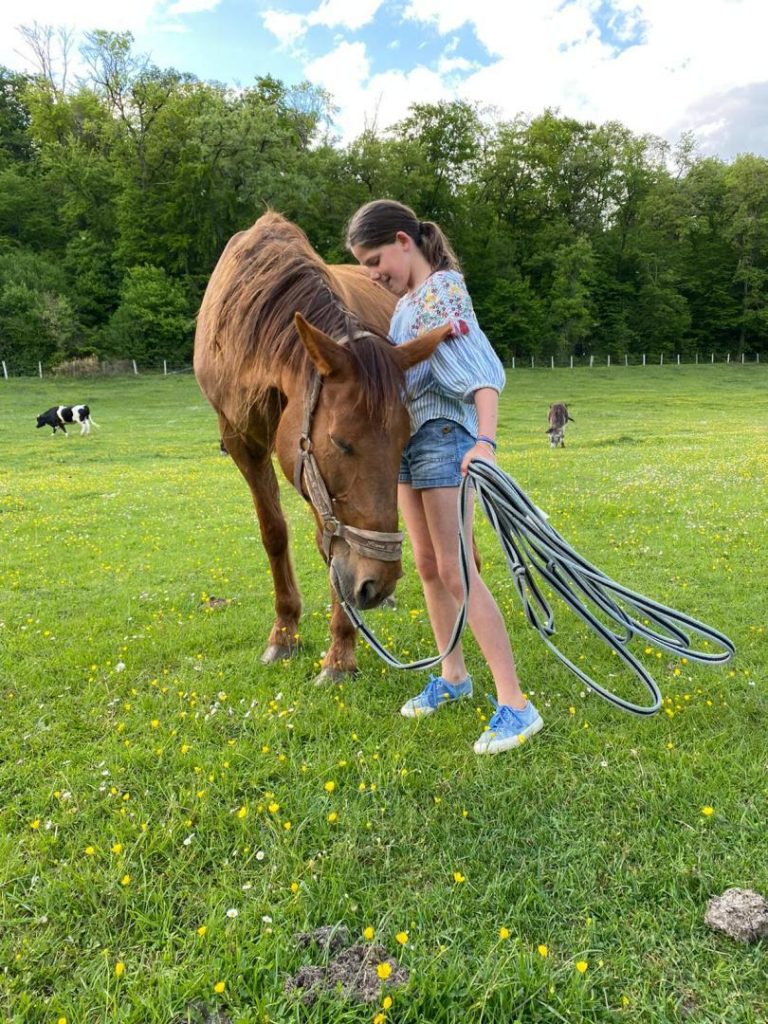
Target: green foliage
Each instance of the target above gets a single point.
(153, 320)
(575, 238)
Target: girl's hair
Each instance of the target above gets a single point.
(378, 222)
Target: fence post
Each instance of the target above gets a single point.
(678, 358)
(551, 362)
(728, 358)
(135, 369)
(5, 370)
(513, 362)
(643, 358)
(532, 363)
(609, 358)
(591, 361)
(626, 359)
(661, 359)
(713, 358)
(757, 360)
(165, 368)
(697, 358)
(742, 358)
(571, 362)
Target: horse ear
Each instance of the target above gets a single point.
(327, 355)
(422, 347)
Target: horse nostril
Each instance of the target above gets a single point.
(368, 594)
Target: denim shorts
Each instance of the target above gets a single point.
(432, 457)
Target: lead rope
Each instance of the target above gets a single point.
(531, 544)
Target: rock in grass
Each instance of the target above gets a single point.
(741, 914)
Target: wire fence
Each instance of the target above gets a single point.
(77, 368)
(92, 367)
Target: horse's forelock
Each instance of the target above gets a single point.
(381, 381)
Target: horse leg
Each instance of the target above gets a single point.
(256, 467)
(340, 660)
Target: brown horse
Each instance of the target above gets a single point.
(293, 355)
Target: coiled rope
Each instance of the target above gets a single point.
(531, 545)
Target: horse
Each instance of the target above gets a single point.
(557, 419)
(293, 355)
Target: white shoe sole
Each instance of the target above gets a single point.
(488, 744)
(407, 711)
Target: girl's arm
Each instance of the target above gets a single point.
(487, 406)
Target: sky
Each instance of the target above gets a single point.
(659, 66)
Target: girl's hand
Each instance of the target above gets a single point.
(479, 451)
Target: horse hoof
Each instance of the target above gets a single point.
(275, 652)
(331, 675)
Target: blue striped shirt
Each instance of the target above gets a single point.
(444, 385)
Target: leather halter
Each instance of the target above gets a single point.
(386, 547)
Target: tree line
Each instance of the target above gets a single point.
(118, 193)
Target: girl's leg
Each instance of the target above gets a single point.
(442, 606)
(440, 524)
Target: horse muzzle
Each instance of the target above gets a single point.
(363, 583)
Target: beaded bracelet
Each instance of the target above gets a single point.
(484, 439)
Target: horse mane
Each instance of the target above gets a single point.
(264, 276)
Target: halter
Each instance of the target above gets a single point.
(386, 547)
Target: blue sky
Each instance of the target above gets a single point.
(660, 66)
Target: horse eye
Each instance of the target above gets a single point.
(342, 445)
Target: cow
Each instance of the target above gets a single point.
(58, 415)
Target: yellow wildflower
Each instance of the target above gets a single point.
(383, 970)
(581, 966)
(119, 969)
(504, 933)
(543, 951)
(402, 938)
(219, 987)
(368, 934)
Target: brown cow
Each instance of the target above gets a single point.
(558, 417)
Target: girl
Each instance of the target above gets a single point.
(453, 401)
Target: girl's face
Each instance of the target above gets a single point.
(396, 265)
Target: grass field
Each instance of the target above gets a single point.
(173, 813)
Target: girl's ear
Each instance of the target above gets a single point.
(404, 239)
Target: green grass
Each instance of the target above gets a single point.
(137, 722)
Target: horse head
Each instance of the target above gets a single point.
(348, 431)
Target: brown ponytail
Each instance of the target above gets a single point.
(378, 222)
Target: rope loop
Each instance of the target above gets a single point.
(531, 545)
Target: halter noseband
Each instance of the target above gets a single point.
(386, 547)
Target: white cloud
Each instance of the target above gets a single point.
(77, 15)
(287, 28)
(551, 54)
(350, 15)
(371, 100)
(192, 7)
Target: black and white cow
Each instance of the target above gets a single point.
(558, 417)
(58, 415)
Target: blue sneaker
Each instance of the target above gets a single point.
(435, 693)
(508, 728)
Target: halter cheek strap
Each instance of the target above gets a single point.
(385, 547)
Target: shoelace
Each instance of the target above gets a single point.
(434, 690)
